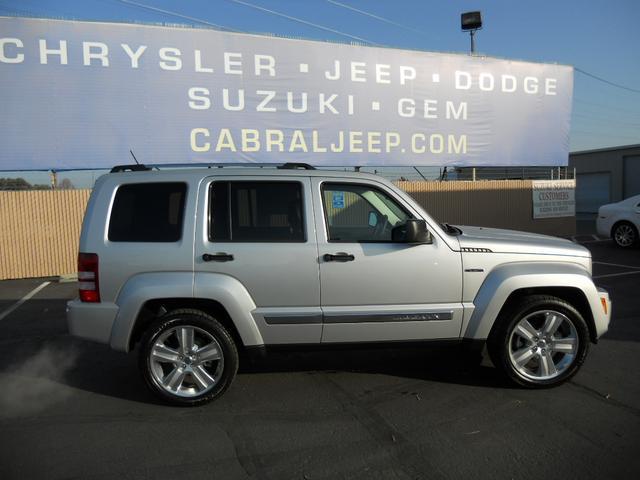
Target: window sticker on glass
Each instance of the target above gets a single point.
(338, 199)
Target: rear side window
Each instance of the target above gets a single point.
(256, 212)
(148, 212)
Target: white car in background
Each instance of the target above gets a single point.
(620, 221)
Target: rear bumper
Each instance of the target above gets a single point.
(91, 321)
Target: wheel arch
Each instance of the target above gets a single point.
(144, 295)
(571, 295)
(620, 221)
(156, 307)
(510, 282)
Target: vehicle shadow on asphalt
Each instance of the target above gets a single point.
(432, 364)
(99, 370)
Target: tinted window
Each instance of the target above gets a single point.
(148, 212)
(358, 213)
(256, 212)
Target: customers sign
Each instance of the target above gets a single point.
(554, 198)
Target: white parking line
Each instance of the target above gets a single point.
(617, 265)
(23, 299)
(617, 274)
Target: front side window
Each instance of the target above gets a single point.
(359, 213)
(256, 212)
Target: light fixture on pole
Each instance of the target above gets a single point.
(471, 21)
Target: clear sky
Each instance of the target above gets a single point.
(601, 37)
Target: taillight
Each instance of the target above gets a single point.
(88, 286)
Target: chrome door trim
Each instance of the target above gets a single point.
(389, 317)
(297, 319)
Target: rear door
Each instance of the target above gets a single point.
(260, 231)
(373, 289)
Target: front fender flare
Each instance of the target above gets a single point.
(507, 278)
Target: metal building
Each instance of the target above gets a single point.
(605, 175)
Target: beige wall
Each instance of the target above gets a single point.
(40, 229)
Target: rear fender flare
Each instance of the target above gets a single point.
(226, 290)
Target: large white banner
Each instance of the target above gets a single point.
(80, 95)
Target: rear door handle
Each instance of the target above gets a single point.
(218, 257)
(339, 257)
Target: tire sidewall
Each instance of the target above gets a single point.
(204, 322)
(500, 341)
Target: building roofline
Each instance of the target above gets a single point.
(606, 149)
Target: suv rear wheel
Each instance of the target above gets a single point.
(188, 358)
(539, 342)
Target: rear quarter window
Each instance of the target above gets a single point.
(148, 212)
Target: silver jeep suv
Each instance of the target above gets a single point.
(193, 266)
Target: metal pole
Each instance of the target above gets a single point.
(423, 177)
(473, 173)
(473, 41)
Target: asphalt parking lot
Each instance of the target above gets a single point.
(72, 409)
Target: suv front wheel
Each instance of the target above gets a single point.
(188, 358)
(624, 234)
(539, 342)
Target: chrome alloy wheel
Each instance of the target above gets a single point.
(624, 235)
(543, 345)
(186, 361)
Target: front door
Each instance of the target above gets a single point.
(260, 232)
(373, 289)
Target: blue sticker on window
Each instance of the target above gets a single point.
(338, 199)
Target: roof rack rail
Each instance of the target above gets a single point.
(130, 168)
(296, 166)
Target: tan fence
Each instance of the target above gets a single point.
(40, 232)
(40, 229)
(490, 203)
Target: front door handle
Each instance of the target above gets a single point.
(339, 257)
(218, 257)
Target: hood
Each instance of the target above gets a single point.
(511, 241)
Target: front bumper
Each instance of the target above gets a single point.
(603, 227)
(602, 315)
(92, 321)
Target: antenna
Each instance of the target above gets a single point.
(134, 157)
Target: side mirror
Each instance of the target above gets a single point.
(412, 231)
(373, 219)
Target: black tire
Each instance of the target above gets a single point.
(501, 337)
(628, 239)
(200, 321)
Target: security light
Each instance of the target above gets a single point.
(471, 21)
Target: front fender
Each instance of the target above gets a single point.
(507, 278)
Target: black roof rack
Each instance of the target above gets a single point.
(146, 168)
(130, 168)
(296, 166)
